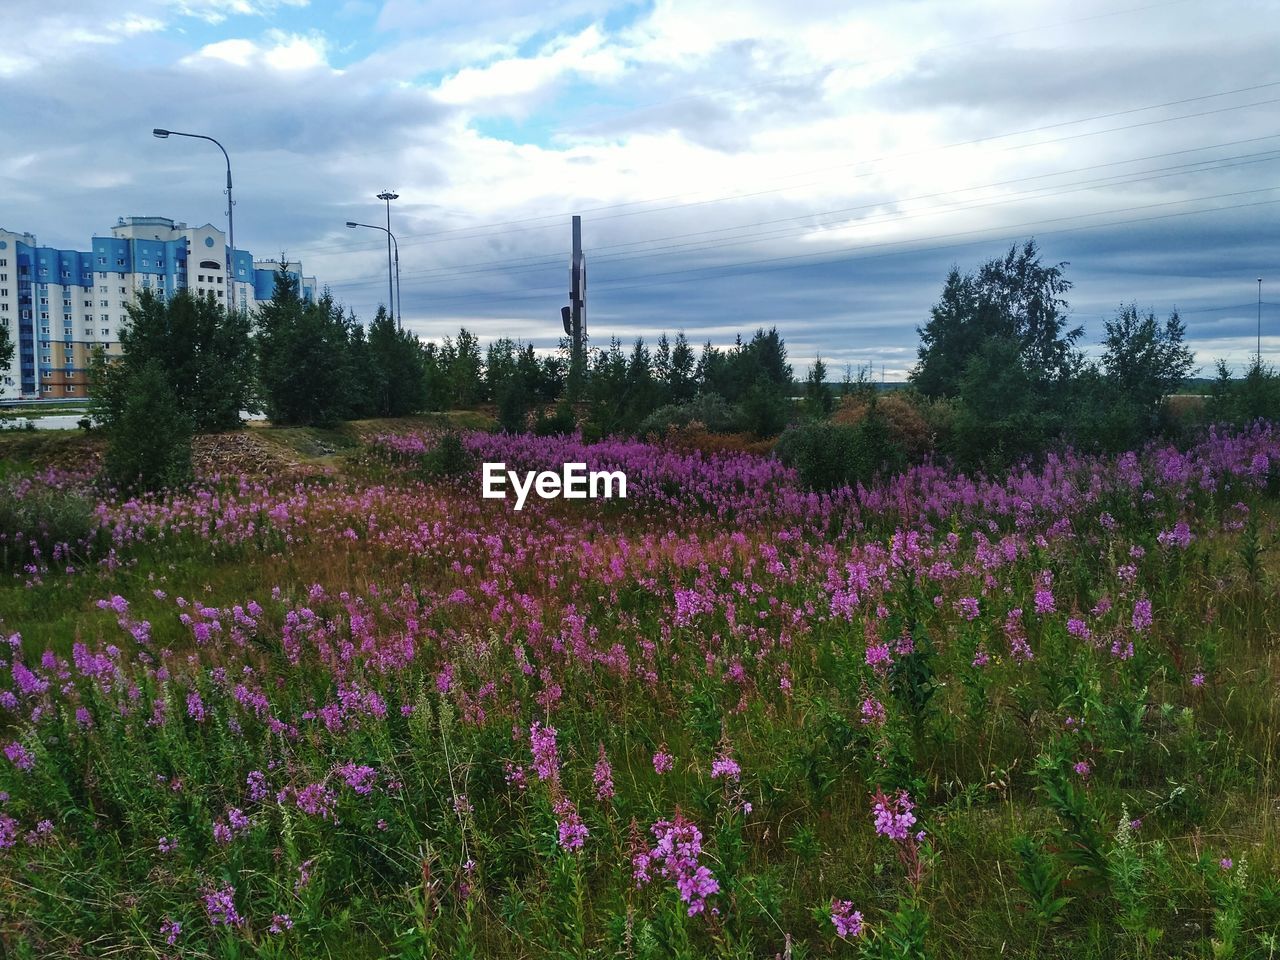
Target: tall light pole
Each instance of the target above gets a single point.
(392, 240)
(163, 134)
(388, 196)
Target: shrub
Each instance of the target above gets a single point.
(711, 410)
(150, 438)
(560, 422)
(513, 405)
(766, 409)
(829, 455)
(903, 420)
(696, 437)
(36, 521)
(450, 458)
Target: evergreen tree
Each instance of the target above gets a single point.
(817, 395)
(682, 378)
(397, 369)
(204, 351)
(304, 367)
(149, 435)
(641, 396)
(662, 368)
(463, 369)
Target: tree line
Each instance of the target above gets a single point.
(1001, 376)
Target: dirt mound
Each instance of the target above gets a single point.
(243, 453)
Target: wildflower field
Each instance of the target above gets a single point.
(360, 712)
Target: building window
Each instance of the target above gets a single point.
(71, 389)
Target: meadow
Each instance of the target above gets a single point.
(351, 709)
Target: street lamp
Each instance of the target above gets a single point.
(162, 134)
(388, 196)
(391, 239)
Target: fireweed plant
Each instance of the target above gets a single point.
(366, 713)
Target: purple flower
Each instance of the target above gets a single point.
(280, 923)
(873, 711)
(1142, 615)
(848, 922)
(603, 777)
(221, 907)
(572, 831)
(1083, 769)
(542, 744)
(1225, 863)
(20, 756)
(663, 761)
(679, 844)
(879, 658)
(1197, 679)
(725, 766)
(893, 816)
(358, 778)
(170, 930)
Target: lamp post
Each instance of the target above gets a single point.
(388, 196)
(391, 239)
(163, 134)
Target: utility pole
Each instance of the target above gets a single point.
(1259, 356)
(572, 314)
(577, 291)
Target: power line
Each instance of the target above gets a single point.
(772, 263)
(506, 263)
(448, 235)
(540, 264)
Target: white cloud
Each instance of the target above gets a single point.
(586, 54)
(216, 11)
(282, 51)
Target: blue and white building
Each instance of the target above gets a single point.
(58, 306)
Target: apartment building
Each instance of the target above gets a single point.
(58, 306)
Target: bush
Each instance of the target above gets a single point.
(830, 455)
(513, 405)
(558, 423)
(1255, 396)
(36, 521)
(907, 426)
(711, 410)
(150, 438)
(696, 437)
(766, 410)
(450, 458)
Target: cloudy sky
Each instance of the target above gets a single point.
(818, 165)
